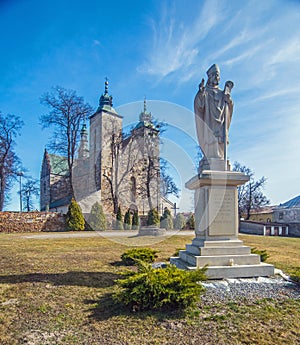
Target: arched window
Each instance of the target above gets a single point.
(133, 188)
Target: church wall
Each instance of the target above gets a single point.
(81, 178)
(95, 143)
(60, 187)
(45, 184)
(136, 152)
(111, 155)
(44, 192)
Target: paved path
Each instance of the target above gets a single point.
(108, 234)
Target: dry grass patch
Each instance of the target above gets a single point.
(58, 291)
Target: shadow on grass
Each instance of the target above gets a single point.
(88, 279)
(106, 308)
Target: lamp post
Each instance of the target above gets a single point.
(20, 174)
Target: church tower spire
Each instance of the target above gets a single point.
(83, 151)
(105, 101)
(144, 116)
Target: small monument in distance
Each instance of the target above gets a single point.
(216, 199)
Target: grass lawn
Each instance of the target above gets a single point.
(58, 291)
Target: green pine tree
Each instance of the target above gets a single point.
(127, 220)
(135, 221)
(191, 222)
(179, 221)
(75, 219)
(166, 220)
(119, 219)
(97, 220)
(153, 218)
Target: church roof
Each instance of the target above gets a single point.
(295, 202)
(58, 165)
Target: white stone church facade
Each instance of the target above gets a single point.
(111, 168)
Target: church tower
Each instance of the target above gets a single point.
(105, 148)
(145, 172)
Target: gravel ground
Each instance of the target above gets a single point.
(249, 290)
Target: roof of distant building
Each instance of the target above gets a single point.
(59, 165)
(295, 202)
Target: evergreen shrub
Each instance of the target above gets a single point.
(135, 255)
(166, 221)
(263, 254)
(127, 220)
(75, 219)
(153, 218)
(180, 221)
(97, 220)
(160, 288)
(119, 220)
(135, 221)
(191, 222)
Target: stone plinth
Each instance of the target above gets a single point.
(151, 230)
(216, 243)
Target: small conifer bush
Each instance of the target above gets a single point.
(75, 219)
(127, 220)
(263, 254)
(180, 222)
(119, 220)
(160, 288)
(135, 255)
(135, 221)
(191, 222)
(166, 220)
(97, 220)
(153, 218)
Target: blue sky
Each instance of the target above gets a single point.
(162, 49)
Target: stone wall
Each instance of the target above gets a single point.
(31, 221)
(294, 229)
(251, 228)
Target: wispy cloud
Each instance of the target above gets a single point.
(175, 47)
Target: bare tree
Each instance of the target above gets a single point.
(67, 111)
(167, 184)
(250, 195)
(29, 190)
(10, 127)
(113, 177)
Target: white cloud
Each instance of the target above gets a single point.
(288, 52)
(175, 46)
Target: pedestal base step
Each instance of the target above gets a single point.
(236, 271)
(219, 260)
(211, 251)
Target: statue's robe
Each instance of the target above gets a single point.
(210, 109)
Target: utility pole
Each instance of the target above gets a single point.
(20, 174)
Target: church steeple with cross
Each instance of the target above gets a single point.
(105, 101)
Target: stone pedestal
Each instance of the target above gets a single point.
(216, 243)
(151, 230)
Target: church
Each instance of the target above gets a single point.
(112, 168)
